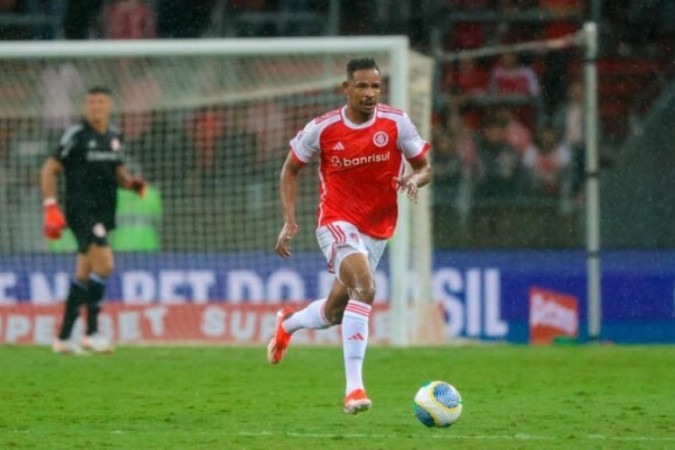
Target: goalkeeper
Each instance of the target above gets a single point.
(90, 157)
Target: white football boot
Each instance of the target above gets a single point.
(66, 347)
(97, 343)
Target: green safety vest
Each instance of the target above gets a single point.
(137, 220)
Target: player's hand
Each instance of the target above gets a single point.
(139, 186)
(408, 186)
(54, 221)
(288, 232)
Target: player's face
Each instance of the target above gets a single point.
(363, 92)
(97, 108)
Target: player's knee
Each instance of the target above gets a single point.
(334, 314)
(104, 269)
(364, 291)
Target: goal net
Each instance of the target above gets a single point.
(207, 123)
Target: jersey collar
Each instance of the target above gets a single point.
(356, 126)
(91, 129)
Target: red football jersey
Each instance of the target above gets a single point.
(357, 165)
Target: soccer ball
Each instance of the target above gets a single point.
(437, 404)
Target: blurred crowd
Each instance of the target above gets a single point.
(116, 19)
(499, 151)
(507, 128)
(634, 25)
(147, 19)
(511, 127)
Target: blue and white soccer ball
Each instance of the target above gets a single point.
(437, 404)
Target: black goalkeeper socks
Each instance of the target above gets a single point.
(76, 297)
(94, 301)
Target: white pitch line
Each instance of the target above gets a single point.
(450, 435)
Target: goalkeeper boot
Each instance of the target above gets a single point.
(276, 349)
(97, 343)
(66, 347)
(357, 401)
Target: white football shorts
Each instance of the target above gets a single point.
(338, 240)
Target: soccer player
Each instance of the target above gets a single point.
(90, 156)
(361, 148)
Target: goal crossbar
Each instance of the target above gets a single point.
(200, 47)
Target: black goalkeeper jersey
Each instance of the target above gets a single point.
(90, 160)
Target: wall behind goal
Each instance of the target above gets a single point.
(227, 298)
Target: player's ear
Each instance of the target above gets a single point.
(345, 86)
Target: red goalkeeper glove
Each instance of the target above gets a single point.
(54, 220)
(139, 186)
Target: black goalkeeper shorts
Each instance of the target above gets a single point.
(89, 232)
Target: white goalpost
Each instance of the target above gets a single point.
(593, 246)
(207, 122)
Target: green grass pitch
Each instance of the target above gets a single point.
(595, 397)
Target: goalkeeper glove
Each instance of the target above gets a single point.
(54, 221)
(139, 186)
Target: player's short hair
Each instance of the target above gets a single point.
(360, 64)
(99, 90)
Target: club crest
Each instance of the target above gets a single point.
(380, 139)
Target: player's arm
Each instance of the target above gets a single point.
(288, 191)
(127, 181)
(50, 170)
(415, 151)
(419, 177)
(54, 221)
